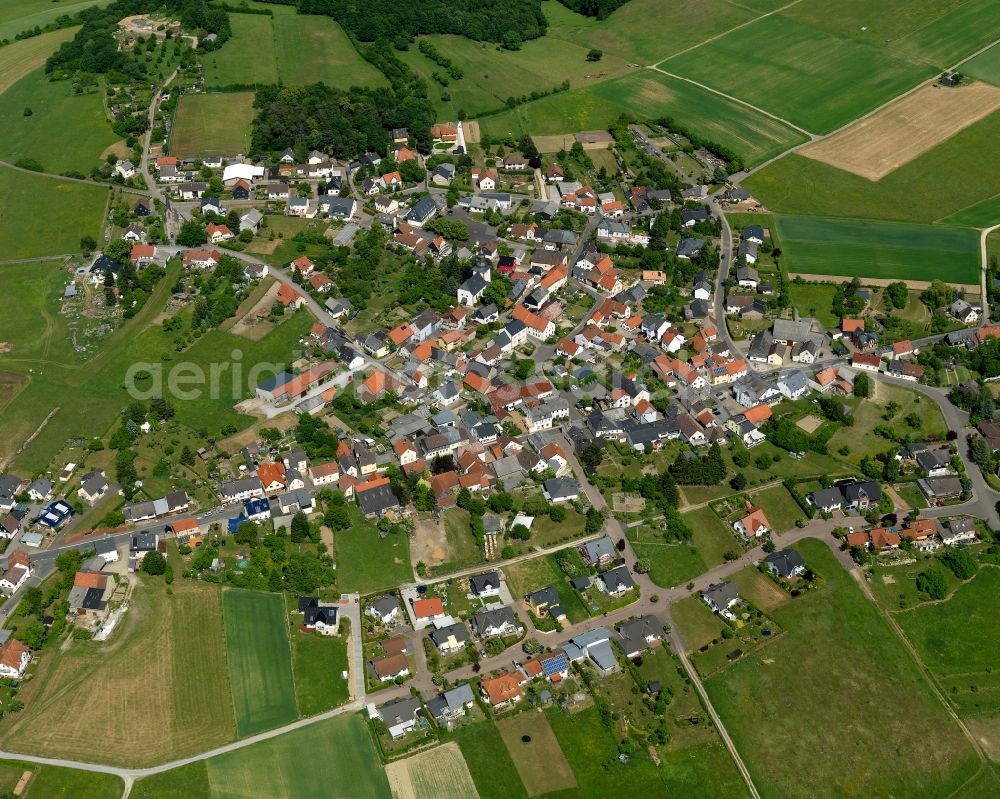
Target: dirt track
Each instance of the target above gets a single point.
(900, 132)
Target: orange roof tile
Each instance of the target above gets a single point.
(271, 473)
(758, 413)
(401, 333)
(426, 608)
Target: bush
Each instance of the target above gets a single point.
(154, 563)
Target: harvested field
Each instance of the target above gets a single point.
(874, 147)
(21, 58)
(430, 544)
(809, 424)
(539, 760)
(471, 130)
(440, 773)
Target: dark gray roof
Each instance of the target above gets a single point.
(377, 500)
(785, 562)
(459, 630)
(485, 582)
(617, 577)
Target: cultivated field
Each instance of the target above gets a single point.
(985, 66)
(440, 773)
(540, 761)
(885, 250)
(21, 58)
(838, 661)
(64, 131)
(930, 187)
(897, 134)
(952, 36)
(17, 16)
(981, 215)
(212, 124)
(247, 58)
(179, 707)
(814, 79)
(260, 661)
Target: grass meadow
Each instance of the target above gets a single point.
(181, 705)
(489, 762)
(815, 80)
(981, 215)
(540, 762)
(871, 249)
(212, 124)
(317, 663)
(985, 66)
(50, 782)
(966, 28)
(63, 132)
(19, 59)
(260, 660)
(932, 186)
(247, 58)
(366, 562)
(839, 662)
(17, 16)
(816, 300)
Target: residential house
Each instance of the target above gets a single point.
(500, 621)
(785, 563)
(721, 598)
(616, 582)
(637, 635)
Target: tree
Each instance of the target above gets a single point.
(246, 533)
(520, 532)
(938, 294)
(531, 646)
(642, 566)
(897, 294)
(739, 481)
(87, 244)
(192, 233)
(32, 635)
(300, 528)
(595, 55)
(557, 513)
(962, 564)
(187, 456)
(932, 583)
(154, 563)
(862, 386)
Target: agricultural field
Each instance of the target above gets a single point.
(887, 22)
(895, 135)
(310, 49)
(953, 36)
(64, 131)
(878, 250)
(981, 215)
(932, 186)
(179, 708)
(50, 782)
(440, 773)
(814, 79)
(489, 762)
(17, 16)
(247, 58)
(985, 66)
(839, 661)
(539, 760)
(334, 759)
(260, 661)
(212, 124)
(19, 59)
(366, 562)
(628, 34)
(561, 113)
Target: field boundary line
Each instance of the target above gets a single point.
(751, 106)
(718, 36)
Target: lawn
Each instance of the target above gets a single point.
(839, 661)
(317, 664)
(931, 186)
(701, 770)
(530, 575)
(816, 300)
(869, 249)
(212, 124)
(985, 66)
(41, 216)
(333, 759)
(248, 57)
(912, 495)
(64, 131)
(696, 622)
(759, 589)
(311, 49)
(367, 562)
(869, 413)
(779, 506)
(489, 762)
(181, 705)
(539, 760)
(260, 661)
(815, 79)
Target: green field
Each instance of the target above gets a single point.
(333, 759)
(212, 124)
(981, 215)
(310, 49)
(317, 663)
(930, 187)
(814, 79)
(19, 59)
(42, 216)
(489, 762)
(367, 562)
(838, 661)
(260, 661)
(17, 16)
(646, 31)
(247, 58)
(492, 74)
(816, 300)
(985, 66)
(65, 131)
(50, 782)
(952, 36)
(869, 249)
